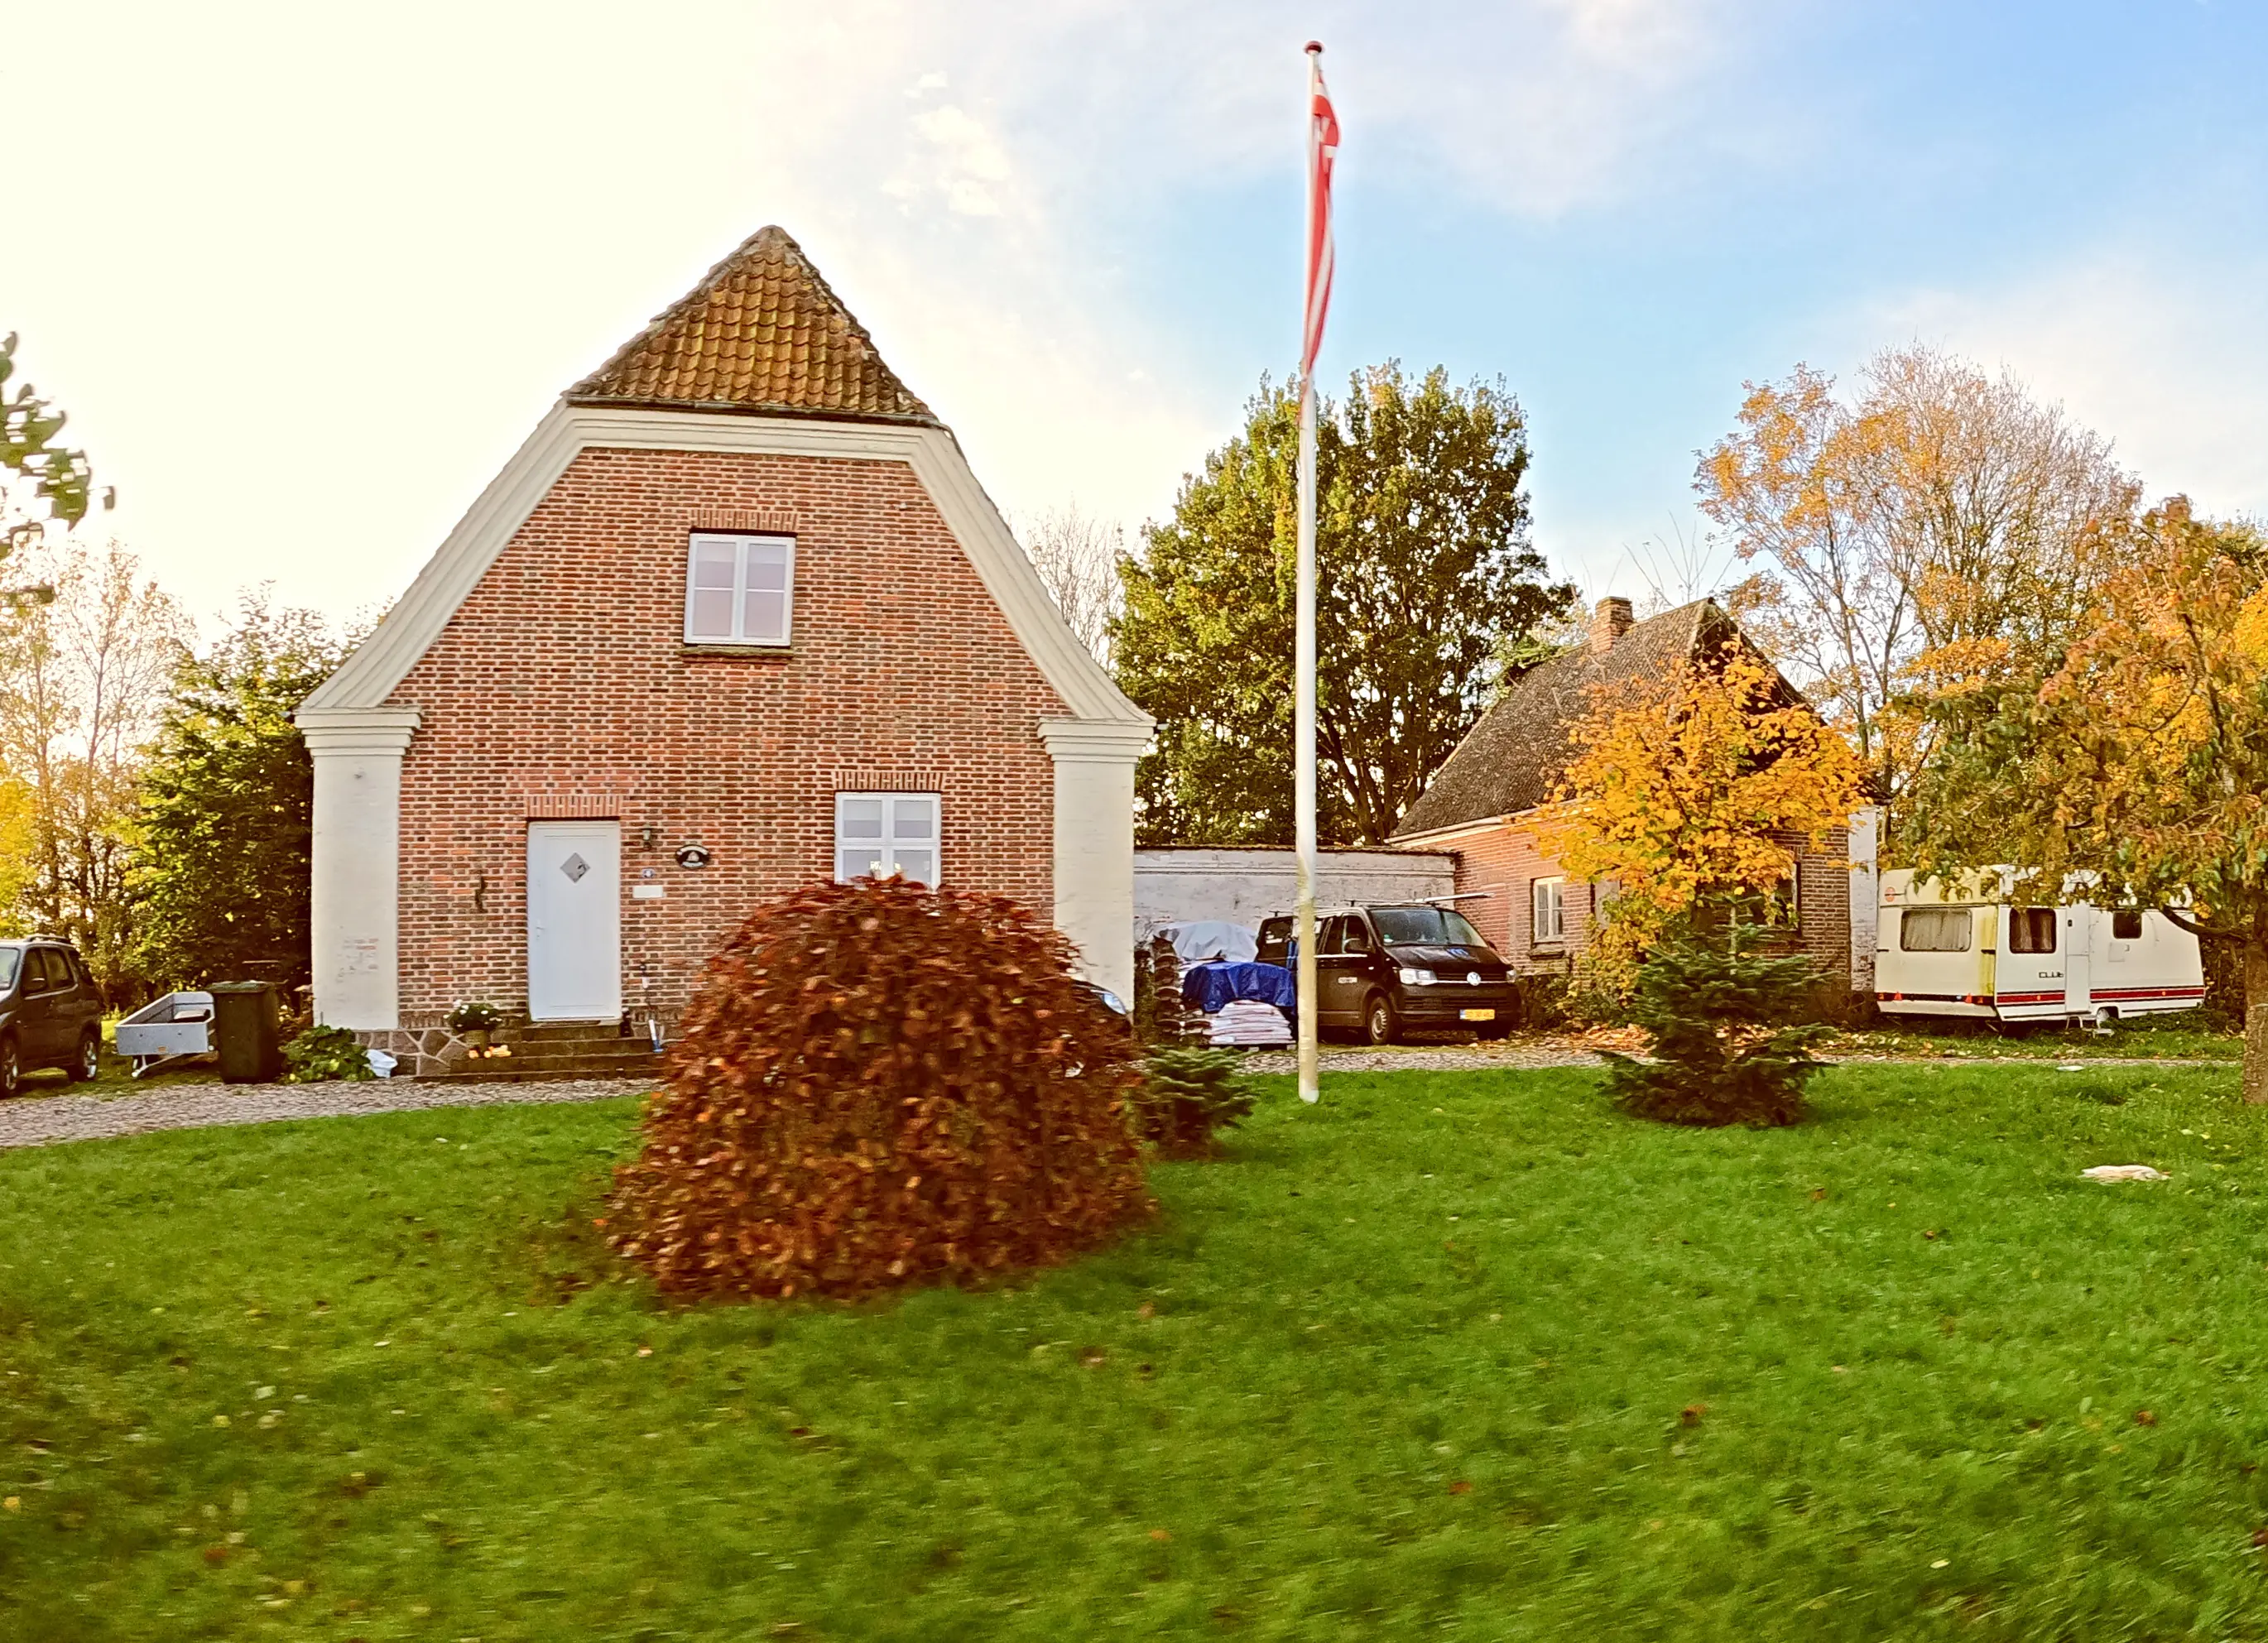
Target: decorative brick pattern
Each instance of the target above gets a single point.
(1502, 860)
(562, 687)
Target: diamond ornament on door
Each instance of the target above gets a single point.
(574, 867)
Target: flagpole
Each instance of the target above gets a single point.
(1303, 712)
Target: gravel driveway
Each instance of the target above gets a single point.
(36, 1121)
(42, 1120)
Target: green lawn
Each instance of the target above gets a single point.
(1455, 1351)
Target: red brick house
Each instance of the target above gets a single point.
(1482, 803)
(737, 617)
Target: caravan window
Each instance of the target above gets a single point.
(1934, 929)
(2126, 925)
(2031, 928)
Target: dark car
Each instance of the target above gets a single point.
(51, 1014)
(1381, 971)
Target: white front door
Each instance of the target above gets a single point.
(2078, 960)
(574, 921)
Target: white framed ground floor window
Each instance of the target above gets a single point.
(877, 835)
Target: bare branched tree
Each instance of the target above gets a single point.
(1077, 555)
(82, 683)
(1936, 508)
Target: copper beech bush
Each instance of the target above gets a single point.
(878, 1085)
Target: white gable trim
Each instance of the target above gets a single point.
(381, 663)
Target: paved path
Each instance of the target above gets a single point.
(35, 1121)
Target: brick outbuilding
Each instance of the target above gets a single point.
(1483, 804)
(737, 617)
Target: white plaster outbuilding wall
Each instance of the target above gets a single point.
(1243, 886)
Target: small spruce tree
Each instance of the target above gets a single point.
(1729, 1044)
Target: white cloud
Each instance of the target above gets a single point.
(2168, 360)
(333, 265)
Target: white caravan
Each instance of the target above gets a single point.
(1968, 949)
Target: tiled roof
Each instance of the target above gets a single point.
(1511, 760)
(761, 332)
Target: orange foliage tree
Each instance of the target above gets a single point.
(2137, 758)
(1930, 505)
(1684, 790)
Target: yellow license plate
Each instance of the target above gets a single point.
(1477, 1015)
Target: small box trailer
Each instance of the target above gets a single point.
(1974, 949)
(179, 1024)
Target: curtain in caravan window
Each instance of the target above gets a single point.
(2031, 928)
(1935, 930)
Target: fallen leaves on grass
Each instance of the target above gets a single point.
(1460, 1487)
(1692, 1412)
(2144, 1417)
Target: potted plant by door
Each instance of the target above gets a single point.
(475, 1023)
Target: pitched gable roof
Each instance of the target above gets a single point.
(1511, 760)
(761, 333)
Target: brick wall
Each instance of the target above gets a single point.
(563, 687)
(1503, 862)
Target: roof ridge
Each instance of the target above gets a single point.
(762, 332)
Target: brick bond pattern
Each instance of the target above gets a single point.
(1504, 861)
(563, 689)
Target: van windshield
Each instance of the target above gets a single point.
(1424, 927)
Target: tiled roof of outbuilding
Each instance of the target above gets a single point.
(761, 333)
(1511, 760)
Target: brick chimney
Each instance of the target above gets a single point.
(1610, 621)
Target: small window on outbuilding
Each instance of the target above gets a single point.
(2031, 930)
(1935, 929)
(877, 835)
(738, 590)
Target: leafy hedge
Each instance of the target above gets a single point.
(877, 1085)
(326, 1054)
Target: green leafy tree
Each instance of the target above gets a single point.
(1424, 567)
(40, 482)
(224, 824)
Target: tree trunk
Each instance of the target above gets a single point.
(2256, 1022)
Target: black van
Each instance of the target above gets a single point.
(1380, 971)
(51, 1014)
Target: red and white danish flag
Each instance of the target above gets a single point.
(1322, 154)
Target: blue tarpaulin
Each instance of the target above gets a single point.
(1207, 987)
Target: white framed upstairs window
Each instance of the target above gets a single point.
(738, 589)
(877, 835)
(1547, 911)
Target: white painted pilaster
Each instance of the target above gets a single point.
(1095, 842)
(356, 896)
(1865, 897)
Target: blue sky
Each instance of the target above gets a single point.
(307, 276)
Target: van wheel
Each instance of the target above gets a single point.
(11, 1068)
(1380, 1024)
(88, 1062)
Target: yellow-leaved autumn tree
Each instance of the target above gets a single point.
(2136, 760)
(1688, 790)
